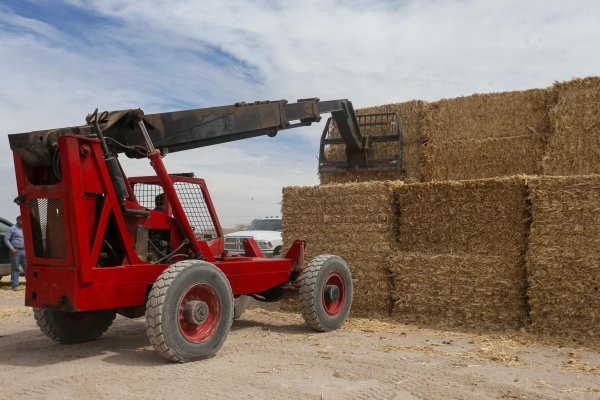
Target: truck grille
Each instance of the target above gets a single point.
(47, 227)
(234, 244)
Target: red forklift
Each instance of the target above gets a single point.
(100, 243)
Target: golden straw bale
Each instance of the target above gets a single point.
(563, 257)
(476, 159)
(372, 288)
(574, 148)
(356, 176)
(355, 221)
(458, 290)
(479, 217)
(492, 115)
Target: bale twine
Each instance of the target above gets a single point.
(458, 290)
(574, 148)
(478, 217)
(485, 116)
(563, 257)
(484, 158)
(355, 221)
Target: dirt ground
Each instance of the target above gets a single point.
(272, 355)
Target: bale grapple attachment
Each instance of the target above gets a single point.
(374, 143)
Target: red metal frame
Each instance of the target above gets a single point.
(78, 282)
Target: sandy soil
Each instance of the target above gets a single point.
(272, 355)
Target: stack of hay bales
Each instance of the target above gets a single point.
(486, 253)
(574, 147)
(486, 135)
(459, 260)
(411, 115)
(564, 257)
(354, 221)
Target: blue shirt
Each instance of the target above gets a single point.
(14, 237)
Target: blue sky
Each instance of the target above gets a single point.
(62, 59)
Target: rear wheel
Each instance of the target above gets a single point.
(189, 311)
(73, 327)
(325, 292)
(239, 306)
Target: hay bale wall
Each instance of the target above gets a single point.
(487, 253)
(574, 148)
(563, 258)
(435, 248)
(354, 221)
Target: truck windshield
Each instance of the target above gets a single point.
(265, 225)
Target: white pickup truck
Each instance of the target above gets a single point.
(266, 232)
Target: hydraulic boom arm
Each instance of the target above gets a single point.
(182, 130)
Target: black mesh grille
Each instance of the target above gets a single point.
(192, 201)
(47, 227)
(195, 208)
(146, 194)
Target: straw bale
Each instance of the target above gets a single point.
(479, 217)
(574, 148)
(476, 159)
(356, 222)
(492, 115)
(411, 118)
(372, 288)
(563, 257)
(357, 176)
(458, 290)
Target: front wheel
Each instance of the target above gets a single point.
(189, 311)
(325, 292)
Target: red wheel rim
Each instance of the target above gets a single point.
(334, 307)
(198, 332)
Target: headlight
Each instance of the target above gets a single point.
(264, 244)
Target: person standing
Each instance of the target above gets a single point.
(15, 242)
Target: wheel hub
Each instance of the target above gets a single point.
(332, 293)
(195, 312)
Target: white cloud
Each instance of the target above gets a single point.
(162, 56)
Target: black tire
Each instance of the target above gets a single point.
(239, 306)
(189, 311)
(277, 252)
(73, 327)
(322, 278)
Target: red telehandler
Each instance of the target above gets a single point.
(99, 243)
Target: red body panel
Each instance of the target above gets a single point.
(81, 246)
